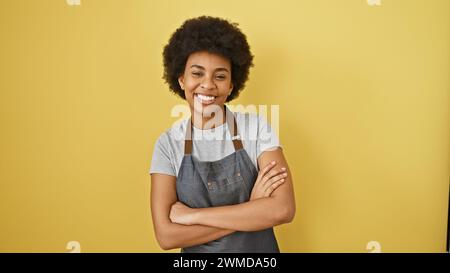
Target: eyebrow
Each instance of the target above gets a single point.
(217, 69)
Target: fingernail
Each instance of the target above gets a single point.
(282, 180)
(283, 168)
(273, 162)
(285, 174)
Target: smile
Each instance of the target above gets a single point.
(203, 99)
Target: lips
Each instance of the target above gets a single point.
(204, 99)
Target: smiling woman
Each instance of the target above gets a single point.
(216, 190)
(206, 81)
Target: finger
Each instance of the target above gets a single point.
(273, 173)
(264, 171)
(275, 179)
(272, 187)
(269, 175)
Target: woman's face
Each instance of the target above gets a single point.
(206, 82)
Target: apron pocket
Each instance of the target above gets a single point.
(229, 191)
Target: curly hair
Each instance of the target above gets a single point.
(212, 34)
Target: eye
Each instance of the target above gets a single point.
(221, 77)
(196, 74)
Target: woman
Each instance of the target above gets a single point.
(208, 192)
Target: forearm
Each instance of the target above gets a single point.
(254, 215)
(180, 236)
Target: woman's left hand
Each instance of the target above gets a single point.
(182, 214)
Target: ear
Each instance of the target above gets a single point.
(181, 81)
(231, 88)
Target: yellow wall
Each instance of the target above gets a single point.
(363, 94)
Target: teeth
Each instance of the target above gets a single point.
(203, 97)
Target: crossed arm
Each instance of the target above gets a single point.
(177, 225)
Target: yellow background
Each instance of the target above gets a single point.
(364, 121)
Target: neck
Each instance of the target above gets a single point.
(208, 120)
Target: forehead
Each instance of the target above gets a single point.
(207, 60)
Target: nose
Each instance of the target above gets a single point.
(207, 83)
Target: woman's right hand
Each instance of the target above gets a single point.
(267, 181)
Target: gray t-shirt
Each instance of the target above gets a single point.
(256, 135)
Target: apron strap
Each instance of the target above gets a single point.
(232, 126)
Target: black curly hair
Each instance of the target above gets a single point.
(212, 34)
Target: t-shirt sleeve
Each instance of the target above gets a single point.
(161, 162)
(267, 137)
